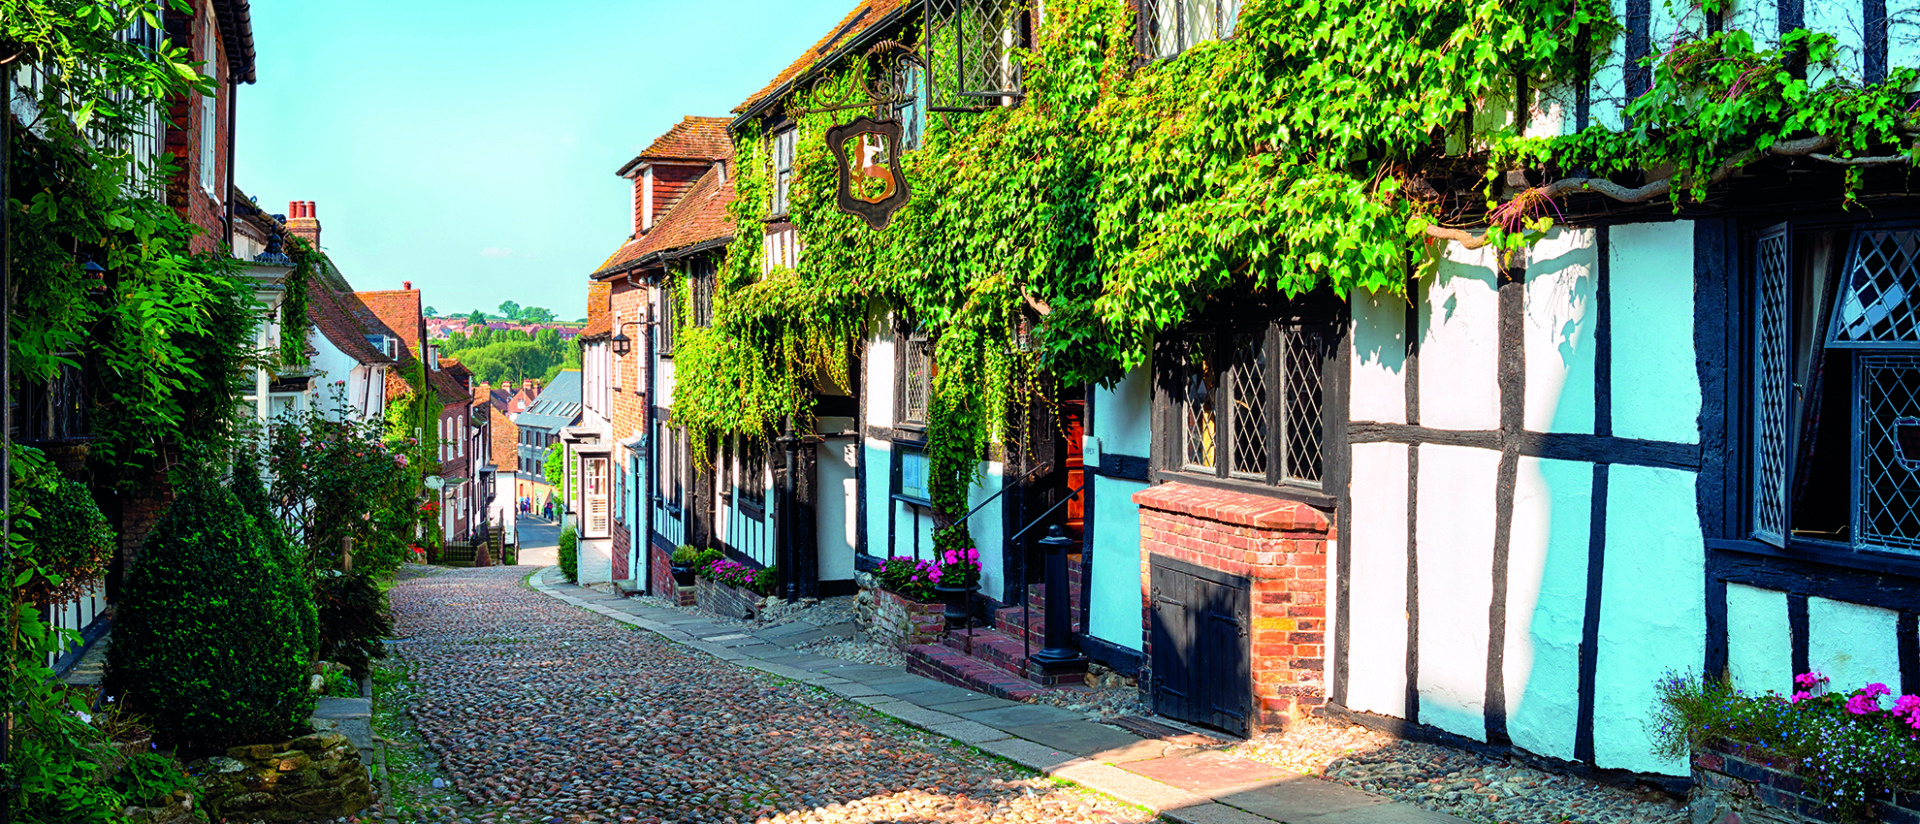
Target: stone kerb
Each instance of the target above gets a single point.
(887, 617)
(1735, 784)
(1280, 547)
(728, 600)
(314, 777)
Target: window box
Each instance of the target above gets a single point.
(1737, 782)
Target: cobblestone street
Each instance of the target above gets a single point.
(538, 711)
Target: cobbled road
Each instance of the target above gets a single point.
(542, 712)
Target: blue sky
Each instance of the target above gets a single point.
(470, 147)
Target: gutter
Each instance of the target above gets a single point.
(663, 256)
(865, 38)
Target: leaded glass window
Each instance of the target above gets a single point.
(1773, 341)
(989, 31)
(1170, 27)
(700, 281)
(782, 170)
(1248, 402)
(916, 379)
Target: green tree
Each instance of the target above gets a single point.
(510, 310)
(536, 314)
(476, 319)
(430, 312)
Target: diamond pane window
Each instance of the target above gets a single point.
(989, 30)
(1772, 356)
(1197, 412)
(1170, 27)
(1880, 302)
(1306, 358)
(1248, 376)
(916, 379)
(1887, 411)
(700, 282)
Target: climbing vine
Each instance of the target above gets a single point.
(1325, 146)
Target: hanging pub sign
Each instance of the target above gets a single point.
(872, 184)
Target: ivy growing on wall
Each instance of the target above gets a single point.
(1050, 242)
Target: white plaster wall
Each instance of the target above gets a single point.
(1759, 640)
(1377, 583)
(1123, 416)
(986, 527)
(1114, 611)
(1760, 19)
(1853, 645)
(1652, 610)
(1656, 390)
(1846, 22)
(1607, 93)
(596, 561)
(1558, 329)
(1546, 603)
(1454, 545)
(1460, 346)
(878, 365)
(1379, 356)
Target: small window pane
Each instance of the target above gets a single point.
(1248, 376)
(1306, 352)
(1887, 413)
(1881, 301)
(1197, 411)
(1771, 387)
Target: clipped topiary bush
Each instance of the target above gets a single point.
(353, 619)
(290, 559)
(68, 542)
(206, 645)
(570, 555)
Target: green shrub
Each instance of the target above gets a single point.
(765, 582)
(54, 769)
(353, 619)
(686, 555)
(704, 559)
(206, 645)
(570, 555)
(68, 542)
(290, 559)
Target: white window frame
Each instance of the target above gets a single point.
(210, 107)
(783, 146)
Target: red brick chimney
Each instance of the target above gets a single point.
(302, 222)
(406, 285)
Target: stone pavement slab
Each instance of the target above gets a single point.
(1020, 715)
(1077, 737)
(1301, 796)
(1027, 754)
(984, 702)
(1206, 772)
(968, 732)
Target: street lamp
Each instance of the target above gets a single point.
(623, 344)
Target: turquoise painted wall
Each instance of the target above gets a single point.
(1551, 532)
(1759, 640)
(1123, 415)
(1656, 395)
(878, 504)
(1114, 611)
(1652, 608)
(1853, 645)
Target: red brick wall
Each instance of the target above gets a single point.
(182, 135)
(1281, 548)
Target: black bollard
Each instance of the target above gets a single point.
(1058, 661)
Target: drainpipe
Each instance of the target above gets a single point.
(784, 517)
(652, 451)
(233, 110)
(6, 346)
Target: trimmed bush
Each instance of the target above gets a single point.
(353, 620)
(206, 645)
(66, 536)
(290, 559)
(570, 555)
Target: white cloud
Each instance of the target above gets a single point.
(496, 252)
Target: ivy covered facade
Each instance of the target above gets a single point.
(1459, 368)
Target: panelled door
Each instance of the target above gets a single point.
(1199, 632)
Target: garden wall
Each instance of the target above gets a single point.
(1735, 785)
(887, 618)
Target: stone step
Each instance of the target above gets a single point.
(1007, 620)
(950, 666)
(1006, 653)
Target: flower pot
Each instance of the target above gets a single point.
(959, 603)
(683, 575)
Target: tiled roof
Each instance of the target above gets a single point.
(864, 16)
(336, 324)
(399, 310)
(599, 314)
(700, 215)
(558, 405)
(505, 436)
(451, 389)
(693, 138)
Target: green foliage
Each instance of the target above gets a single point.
(1850, 750)
(570, 555)
(292, 577)
(149, 779)
(334, 481)
(66, 543)
(56, 761)
(205, 644)
(339, 685)
(907, 576)
(295, 321)
(686, 555)
(555, 467)
(510, 310)
(354, 620)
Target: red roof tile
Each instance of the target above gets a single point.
(865, 15)
(696, 138)
(698, 216)
(599, 311)
(337, 325)
(450, 387)
(398, 310)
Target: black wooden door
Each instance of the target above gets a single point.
(1201, 671)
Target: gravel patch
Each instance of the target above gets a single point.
(1452, 781)
(879, 655)
(1098, 703)
(537, 711)
(820, 612)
